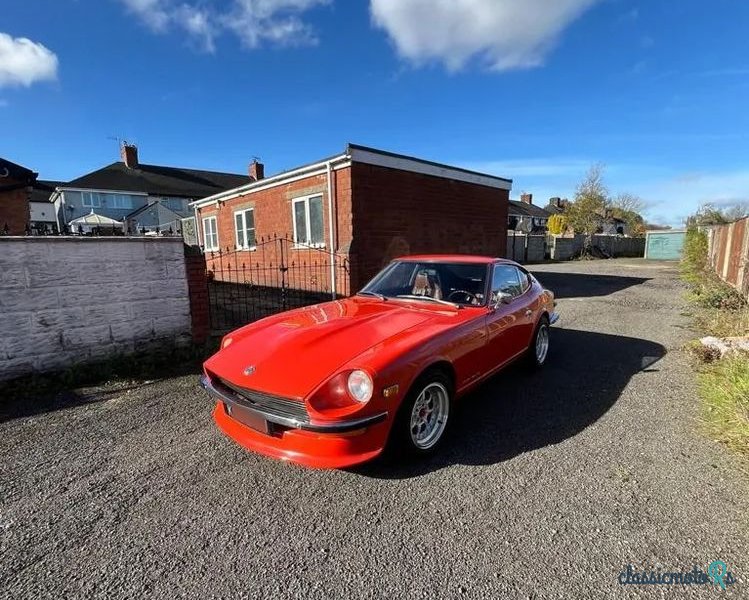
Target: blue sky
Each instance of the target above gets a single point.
(534, 90)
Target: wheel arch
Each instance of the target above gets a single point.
(439, 364)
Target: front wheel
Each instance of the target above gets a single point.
(539, 348)
(423, 417)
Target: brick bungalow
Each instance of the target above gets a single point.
(16, 183)
(383, 205)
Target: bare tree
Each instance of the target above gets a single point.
(736, 211)
(627, 202)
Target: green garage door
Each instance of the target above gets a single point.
(664, 245)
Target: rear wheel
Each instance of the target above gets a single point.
(423, 418)
(538, 350)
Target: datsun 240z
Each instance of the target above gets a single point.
(335, 384)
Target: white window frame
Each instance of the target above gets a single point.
(306, 199)
(114, 196)
(91, 203)
(244, 212)
(205, 233)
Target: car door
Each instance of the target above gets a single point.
(505, 322)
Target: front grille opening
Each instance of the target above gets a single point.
(275, 405)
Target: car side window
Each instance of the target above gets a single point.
(525, 281)
(506, 279)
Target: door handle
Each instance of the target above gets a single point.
(528, 312)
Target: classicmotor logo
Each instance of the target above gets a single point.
(717, 574)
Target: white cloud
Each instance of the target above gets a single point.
(275, 21)
(23, 62)
(254, 22)
(503, 34)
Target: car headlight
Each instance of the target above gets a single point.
(360, 386)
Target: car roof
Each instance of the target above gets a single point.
(454, 258)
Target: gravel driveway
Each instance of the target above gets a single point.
(550, 485)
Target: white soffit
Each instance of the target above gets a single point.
(426, 168)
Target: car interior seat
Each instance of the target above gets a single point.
(427, 283)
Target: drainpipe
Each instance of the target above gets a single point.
(331, 229)
(57, 195)
(197, 225)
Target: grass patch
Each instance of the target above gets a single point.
(724, 387)
(720, 311)
(723, 322)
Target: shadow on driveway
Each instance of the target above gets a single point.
(518, 411)
(579, 285)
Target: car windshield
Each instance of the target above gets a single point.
(463, 284)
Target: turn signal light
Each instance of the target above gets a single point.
(390, 391)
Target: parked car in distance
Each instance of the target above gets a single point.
(334, 384)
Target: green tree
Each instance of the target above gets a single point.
(586, 212)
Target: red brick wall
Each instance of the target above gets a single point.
(307, 268)
(381, 213)
(398, 212)
(14, 209)
(197, 286)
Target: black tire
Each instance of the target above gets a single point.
(402, 441)
(532, 359)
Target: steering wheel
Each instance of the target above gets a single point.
(469, 297)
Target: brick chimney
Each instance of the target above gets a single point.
(527, 198)
(556, 201)
(257, 170)
(129, 155)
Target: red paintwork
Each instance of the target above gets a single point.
(297, 354)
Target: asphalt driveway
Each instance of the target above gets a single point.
(551, 484)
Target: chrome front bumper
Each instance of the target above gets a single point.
(235, 399)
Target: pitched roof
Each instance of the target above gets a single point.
(158, 206)
(158, 180)
(42, 190)
(553, 209)
(525, 209)
(94, 219)
(10, 170)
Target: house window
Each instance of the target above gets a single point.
(210, 233)
(308, 221)
(90, 200)
(244, 226)
(119, 201)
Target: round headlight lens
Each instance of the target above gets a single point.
(360, 386)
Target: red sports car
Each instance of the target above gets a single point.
(334, 384)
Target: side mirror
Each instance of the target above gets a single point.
(501, 298)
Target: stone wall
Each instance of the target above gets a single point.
(73, 300)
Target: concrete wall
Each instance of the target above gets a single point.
(525, 248)
(565, 248)
(70, 300)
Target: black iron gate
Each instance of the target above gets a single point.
(274, 275)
